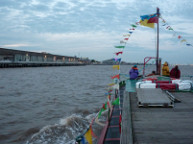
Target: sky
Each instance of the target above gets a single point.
(91, 28)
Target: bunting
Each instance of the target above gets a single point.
(116, 76)
(119, 53)
(133, 25)
(116, 101)
(88, 136)
(116, 67)
(168, 27)
(118, 60)
(119, 46)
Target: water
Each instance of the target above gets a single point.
(47, 105)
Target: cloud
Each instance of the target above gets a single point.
(16, 45)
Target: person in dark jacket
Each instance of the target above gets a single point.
(133, 72)
(175, 72)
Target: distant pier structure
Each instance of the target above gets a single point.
(18, 58)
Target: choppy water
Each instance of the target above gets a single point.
(47, 105)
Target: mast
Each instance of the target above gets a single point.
(157, 54)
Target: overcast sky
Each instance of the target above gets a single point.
(91, 28)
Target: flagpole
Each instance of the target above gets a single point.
(157, 54)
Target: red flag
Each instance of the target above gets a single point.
(116, 76)
(132, 29)
(126, 38)
(119, 53)
(153, 20)
(179, 37)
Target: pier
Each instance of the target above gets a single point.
(18, 58)
(168, 125)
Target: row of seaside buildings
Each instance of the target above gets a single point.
(10, 56)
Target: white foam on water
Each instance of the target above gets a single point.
(65, 132)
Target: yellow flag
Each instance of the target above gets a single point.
(144, 23)
(183, 40)
(111, 84)
(88, 136)
(116, 67)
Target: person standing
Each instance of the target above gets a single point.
(165, 70)
(175, 72)
(133, 73)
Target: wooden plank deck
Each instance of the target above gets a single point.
(149, 97)
(163, 125)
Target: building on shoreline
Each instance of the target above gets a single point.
(16, 58)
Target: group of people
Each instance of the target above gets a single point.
(174, 73)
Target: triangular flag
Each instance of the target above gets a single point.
(116, 102)
(126, 38)
(116, 67)
(119, 53)
(133, 25)
(183, 40)
(116, 76)
(179, 37)
(170, 28)
(88, 136)
(188, 44)
(119, 46)
(83, 140)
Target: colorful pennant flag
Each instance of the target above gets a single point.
(119, 53)
(183, 40)
(116, 102)
(126, 38)
(88, 136)
(133, 25)
(118, 60)
(111, 84)
(170, 28)
(188, 44)
(83, 140)
(102, 110)
(116, 67)
(130, 32)
(145, 23)
(116, 76)
(132, 29)
(119, 46)
(179, 37)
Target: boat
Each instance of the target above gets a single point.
(151, 109)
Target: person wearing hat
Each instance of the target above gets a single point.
(133, 72)
(165, 70)
(175, 72)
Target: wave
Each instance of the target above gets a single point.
(63, 133)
